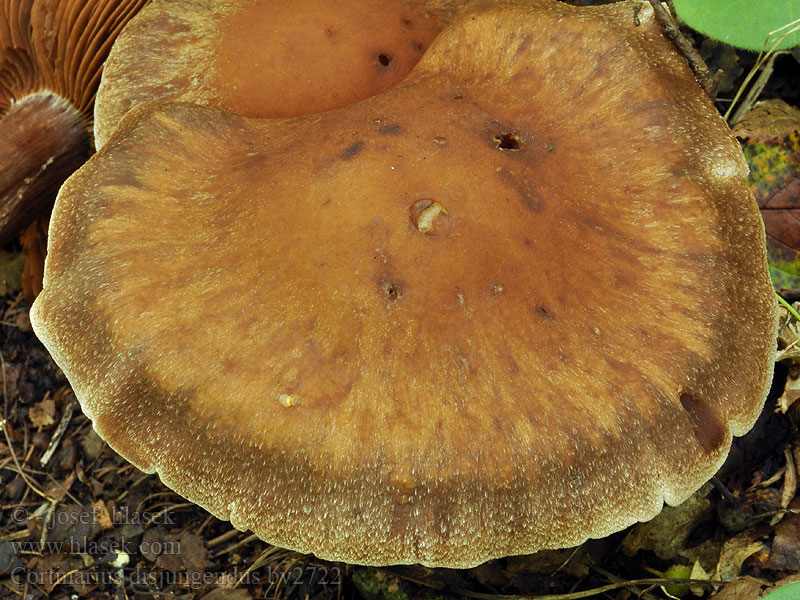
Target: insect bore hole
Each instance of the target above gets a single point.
(507, 141)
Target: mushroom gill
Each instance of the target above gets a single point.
(51, 56)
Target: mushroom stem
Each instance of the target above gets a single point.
(723, 490)
(45, 139)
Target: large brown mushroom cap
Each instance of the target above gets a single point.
(517, 301)
(51, 56)
(265, 58)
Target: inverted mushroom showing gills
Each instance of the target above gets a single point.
(515, 302)
(265, 58)
(51, 55)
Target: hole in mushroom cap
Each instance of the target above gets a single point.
(507, 141)
(392, 290)
(430, 217)
(384, 59)
(708, 429)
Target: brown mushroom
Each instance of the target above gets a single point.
(265, 59)
(518, 301)
(51, 55)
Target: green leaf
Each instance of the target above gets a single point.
(742, 23)
(787, 592)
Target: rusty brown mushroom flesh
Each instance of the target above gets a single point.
(51, 55)
(267, 58)
(518, 301)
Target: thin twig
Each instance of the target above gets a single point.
(15, 535)
(156, 516)
(763, 57)
(228, 549)
(569, 558)
(27, 481)
(59, 432)
(611, 577)
(575, 595)
(61, 487)
(723, 491)
(221, 539)
(755, 91)
(704, 77)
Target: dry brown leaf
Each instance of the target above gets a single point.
(42, 414)
(101, 515)
(666, 534)
(735, 551)
(768, 119)
(745, 588)
(698, 572)
(58, 491)
(785, 555)
(175, 552)
(791, 393)
(789, 479)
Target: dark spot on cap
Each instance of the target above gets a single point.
(391, 290)
(384, 59)
(389, 129)
(526, 191)
(531, 201)
(352, 150)
(524, 46)
(708, 428)
(543, 313)
(507, 141)
(617, 365)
